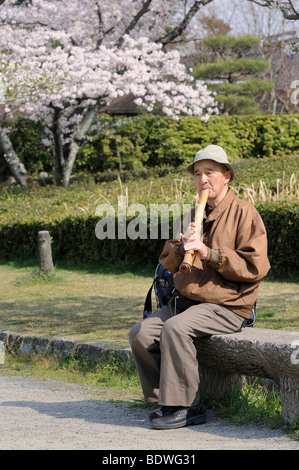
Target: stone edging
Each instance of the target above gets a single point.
(61, 348)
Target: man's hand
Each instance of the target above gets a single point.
(191, 241)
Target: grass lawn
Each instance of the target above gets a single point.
(72, 304)
(90, 306)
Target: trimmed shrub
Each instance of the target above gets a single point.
(147, 141)
(282, 223)
(161, 141)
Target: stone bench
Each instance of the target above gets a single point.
(224, 360)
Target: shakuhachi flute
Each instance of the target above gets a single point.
(186, 265)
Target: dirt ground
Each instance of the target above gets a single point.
(50, 415)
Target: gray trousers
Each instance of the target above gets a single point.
(165, 355)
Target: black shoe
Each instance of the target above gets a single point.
(158, 412)
(178, 416)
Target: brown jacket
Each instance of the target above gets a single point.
(237, 258)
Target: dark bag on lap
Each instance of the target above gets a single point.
(165, 293)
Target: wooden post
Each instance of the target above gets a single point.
(45, 252)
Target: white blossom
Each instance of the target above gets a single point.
(65, 57)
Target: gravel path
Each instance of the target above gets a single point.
(55, 415)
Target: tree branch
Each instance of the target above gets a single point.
(287, 8)
(144, 9)
(262, 3)
(178, 30)
(102, 33)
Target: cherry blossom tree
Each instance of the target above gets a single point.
(71, 58)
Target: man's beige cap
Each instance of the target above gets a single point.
(215, 153)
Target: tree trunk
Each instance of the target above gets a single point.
(65, 156)
(45, 252)
(79, 135)
(58, 148)
(16, 167)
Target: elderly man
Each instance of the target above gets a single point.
(214, 298)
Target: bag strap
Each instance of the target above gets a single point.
(249, 322)
(147, 310)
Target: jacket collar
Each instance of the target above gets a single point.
(222, 206)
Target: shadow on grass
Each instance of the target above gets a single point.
(120, 267)
(105, 317)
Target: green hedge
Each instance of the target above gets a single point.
(149, 141)
(282, 223)
(153, 141)
(74, 239)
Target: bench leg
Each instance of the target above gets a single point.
(289, 395)
(214, 383)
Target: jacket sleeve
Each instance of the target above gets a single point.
(172, 255)
(248, 262)
(173, 252)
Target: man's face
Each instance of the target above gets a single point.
(212, 176)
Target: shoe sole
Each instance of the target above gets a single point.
(188, 422)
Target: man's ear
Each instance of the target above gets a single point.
(227, 176)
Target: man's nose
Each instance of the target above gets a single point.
(203, 178)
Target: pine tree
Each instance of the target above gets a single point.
(233, 73)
